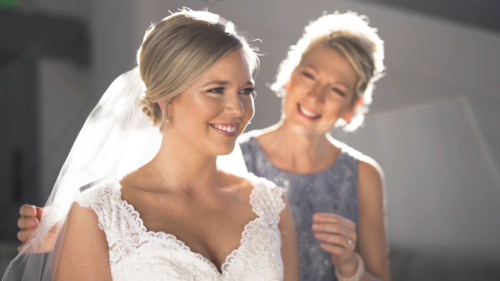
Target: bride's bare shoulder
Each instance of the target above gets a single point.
(84, 252)
(82, 215)
(137, 180)
(235, 182)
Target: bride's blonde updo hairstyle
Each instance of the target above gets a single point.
(352, 37)
(178, 50)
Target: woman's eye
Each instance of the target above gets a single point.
(308, 75)
(248, 91)
(338, 92)
(217, 90)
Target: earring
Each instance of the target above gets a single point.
(168, 120)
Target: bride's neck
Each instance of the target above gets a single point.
(180, 165)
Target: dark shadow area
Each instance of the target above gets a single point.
(419, 265)
(44, 36)
(27, 38)
(19, 138)
(480, 13)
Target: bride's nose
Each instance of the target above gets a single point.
(234, 105)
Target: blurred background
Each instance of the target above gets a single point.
(433, 125)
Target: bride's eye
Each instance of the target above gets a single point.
(219, 90)
(248, 91)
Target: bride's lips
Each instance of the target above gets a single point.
(226, 129)
(307, 113)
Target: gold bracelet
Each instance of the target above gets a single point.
(359, 271)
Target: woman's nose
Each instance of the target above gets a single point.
(234, 105)
(317, 92)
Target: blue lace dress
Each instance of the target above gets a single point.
(334, 190)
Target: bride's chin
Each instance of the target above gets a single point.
(225, 149)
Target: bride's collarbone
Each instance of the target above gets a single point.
(212, 228)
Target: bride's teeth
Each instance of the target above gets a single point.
(225, 128)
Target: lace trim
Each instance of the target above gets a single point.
(256, 194)
(229, 260)
(274, 200)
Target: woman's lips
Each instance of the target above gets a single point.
(311, 115)
(229, 130)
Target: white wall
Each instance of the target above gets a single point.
(441, 194)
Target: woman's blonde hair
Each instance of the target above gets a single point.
(350, 35)
(178, 50)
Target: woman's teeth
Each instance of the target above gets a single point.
(229, 129)
(308, 113)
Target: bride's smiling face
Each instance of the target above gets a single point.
(215, 110)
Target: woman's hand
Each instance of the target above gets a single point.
(28, 223)
(338, 237)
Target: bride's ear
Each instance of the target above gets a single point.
(162, 105)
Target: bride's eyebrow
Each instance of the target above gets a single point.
(223, 83)
(216, 82)
(249, 83)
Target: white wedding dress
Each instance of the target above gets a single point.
(138, 254)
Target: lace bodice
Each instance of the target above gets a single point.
(138, 254)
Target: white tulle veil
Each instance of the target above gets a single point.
(116, 138)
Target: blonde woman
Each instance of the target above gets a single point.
(179, 217)
(336, 193)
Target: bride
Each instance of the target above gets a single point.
(179, 216)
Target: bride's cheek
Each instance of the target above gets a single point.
(208, 101)
(249, 111)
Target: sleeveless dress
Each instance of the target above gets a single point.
(138, 254)
(333, 190)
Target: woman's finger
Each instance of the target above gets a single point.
(21, 247)
(24, 235)
(334, 228)
(38, 213)
(334, 218)
(334, 239)
(333, 249)
(28, 211)
(25, 223)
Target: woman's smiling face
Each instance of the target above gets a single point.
(321, 90)
(215, 110)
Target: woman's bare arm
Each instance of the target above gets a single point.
(84, 250)
(372, 241)
(289, 251)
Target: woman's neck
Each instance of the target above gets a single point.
(298, 152)
(179, 165)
